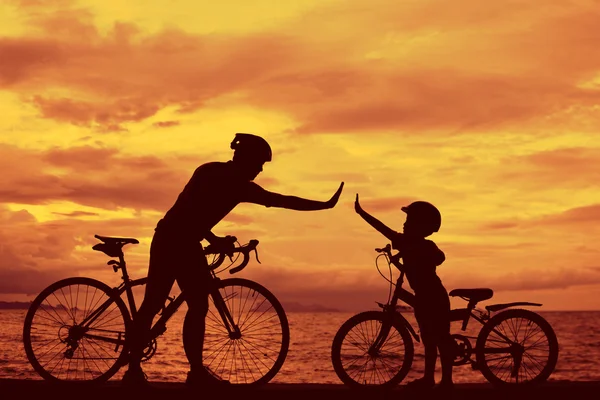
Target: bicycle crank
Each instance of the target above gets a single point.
(462, 350)
(150, 350)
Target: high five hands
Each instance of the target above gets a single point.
(334, 199)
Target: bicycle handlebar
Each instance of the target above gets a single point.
(245, 250)
(393, 258)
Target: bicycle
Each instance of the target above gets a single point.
(375, 348)
(76, 329)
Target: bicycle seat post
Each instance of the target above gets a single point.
(127, 280)
(470, 307)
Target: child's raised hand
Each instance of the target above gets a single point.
(357, 206)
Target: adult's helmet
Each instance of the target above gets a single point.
(427, 214)
(249, 146)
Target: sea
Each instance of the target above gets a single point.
(309, 359)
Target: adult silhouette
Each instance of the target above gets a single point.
(176, 253)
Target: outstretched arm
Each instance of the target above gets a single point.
(374, 222)
(270, 199)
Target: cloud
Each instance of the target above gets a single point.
(97, 177)
(567, 167)
(166, 124)
(24, 58)
(238, 219)
(34, 254)
(355, 290)
(529, 280)
(583, 219)
(107, 115)
(385, 204)
(578, 217)
(24, 280)
(389, 68)
(76, 214)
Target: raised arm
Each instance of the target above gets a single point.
(374, 222)
(259, 195)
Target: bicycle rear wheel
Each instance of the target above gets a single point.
(358, 362)
(62, 343)
(517, 347)
(256, 354)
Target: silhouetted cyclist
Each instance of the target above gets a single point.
(176, 253)
(431, 302)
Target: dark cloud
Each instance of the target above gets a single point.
(166, 124)
(75, 214)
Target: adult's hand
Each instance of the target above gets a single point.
(334, 199)
(224, 244)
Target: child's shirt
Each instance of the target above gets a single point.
(420, 258)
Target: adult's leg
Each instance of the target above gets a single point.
(193, 278)
(160, 281)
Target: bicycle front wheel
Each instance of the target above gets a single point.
(372, 349)
(517, 347)
(75, 331)
(250, 347)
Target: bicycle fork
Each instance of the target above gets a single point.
(232, 328)
(379, 341)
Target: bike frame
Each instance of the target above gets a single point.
(167, 312)
(460, 314)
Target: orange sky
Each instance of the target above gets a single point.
(487, 109)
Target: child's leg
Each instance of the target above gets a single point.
(433, 316)
(445, 341)
(427, 329)
(430, 359)
(447, 357)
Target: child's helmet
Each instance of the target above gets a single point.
(427, 214)
(249, 146)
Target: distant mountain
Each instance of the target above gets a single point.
(297, 307)
(14, 305)
(19, 305)
(404, 309)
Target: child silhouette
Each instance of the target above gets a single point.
(431, 302)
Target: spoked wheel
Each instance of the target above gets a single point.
(255, 349)
(372, 349)
(67, 339)
(517, 347)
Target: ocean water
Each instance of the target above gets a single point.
(309, 361)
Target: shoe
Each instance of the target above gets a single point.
(135, 377)
(204, 377)
(421, 383)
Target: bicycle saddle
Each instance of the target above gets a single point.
(473, 294)
(115, 240)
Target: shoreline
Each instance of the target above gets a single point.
(114, 390)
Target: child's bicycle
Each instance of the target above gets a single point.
(513, 347)
(77, 328)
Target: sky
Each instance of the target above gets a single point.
(489, 110)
